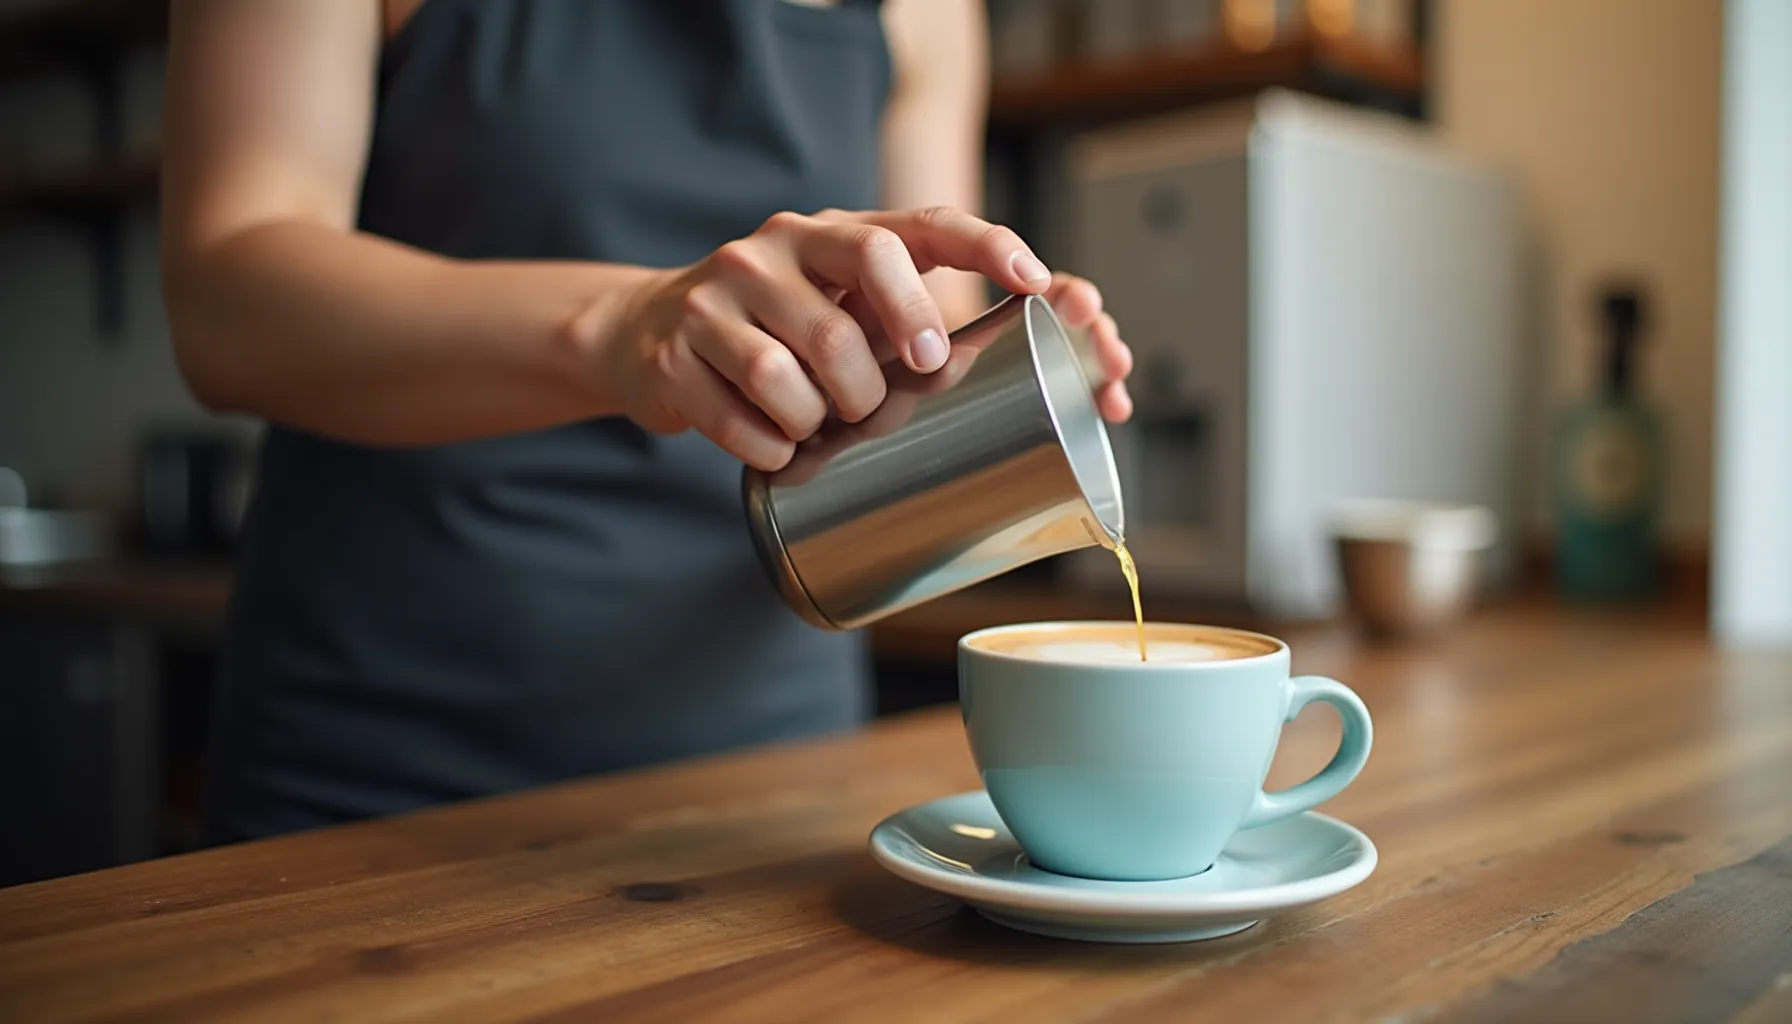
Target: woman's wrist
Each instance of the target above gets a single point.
(586, 344)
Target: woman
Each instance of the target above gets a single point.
(518, 286)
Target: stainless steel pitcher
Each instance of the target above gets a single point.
(997, 459)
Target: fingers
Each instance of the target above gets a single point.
(1114, 402)
(878, 258)
(803, 312)
(859, 308)
(771, 288)
(1076, 301)
(1113, 355)
(707, 402)
(873, 263)
(941, 236)
(768, 374)
(1115, 359)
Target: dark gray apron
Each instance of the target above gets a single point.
(413, 626)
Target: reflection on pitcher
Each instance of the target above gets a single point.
(906, 390)
(930, 493)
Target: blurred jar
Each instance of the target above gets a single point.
(1023, 37)
(1259, 24)
(1385, 24)
(1334, 18)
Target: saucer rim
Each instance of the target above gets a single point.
(1113, 896)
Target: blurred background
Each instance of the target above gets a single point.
(1462, 251)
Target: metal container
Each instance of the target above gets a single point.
(1410, 568)
(997, 459)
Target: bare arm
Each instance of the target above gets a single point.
(280, 308)
(933, 129)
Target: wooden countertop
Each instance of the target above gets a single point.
(1581, 816)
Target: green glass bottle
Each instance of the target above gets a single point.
(1608, 469)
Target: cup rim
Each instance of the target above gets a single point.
(964, 646)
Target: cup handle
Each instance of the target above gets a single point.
(1353, 752)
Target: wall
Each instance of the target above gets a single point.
(73, 400)
(1752, 567)
(1607, 113)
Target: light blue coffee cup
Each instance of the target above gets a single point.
(1141, 771)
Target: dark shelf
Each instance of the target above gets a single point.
(95, 199)
(88, 37)
(1082, 93)
(92, 190)
(84, 32)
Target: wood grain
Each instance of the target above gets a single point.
(1703, 953)
(1576, 811)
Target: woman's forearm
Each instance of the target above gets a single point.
(360, 338)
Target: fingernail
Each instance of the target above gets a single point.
(928, 351)
(1029, 268)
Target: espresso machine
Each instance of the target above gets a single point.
(1326, 305)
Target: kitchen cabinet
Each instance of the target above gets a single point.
(80, 727)
(92, 657)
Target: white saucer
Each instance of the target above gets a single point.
(958, 845)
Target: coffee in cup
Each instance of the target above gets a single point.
(1098, 643)
(1104, 766)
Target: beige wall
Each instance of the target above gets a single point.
(1608, 113)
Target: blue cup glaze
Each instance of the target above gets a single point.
(1142, 771)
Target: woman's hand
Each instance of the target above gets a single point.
(1078, 304)
(754, 344)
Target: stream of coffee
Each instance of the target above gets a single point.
(1131, 571)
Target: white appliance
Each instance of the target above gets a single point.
(1325, 305)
